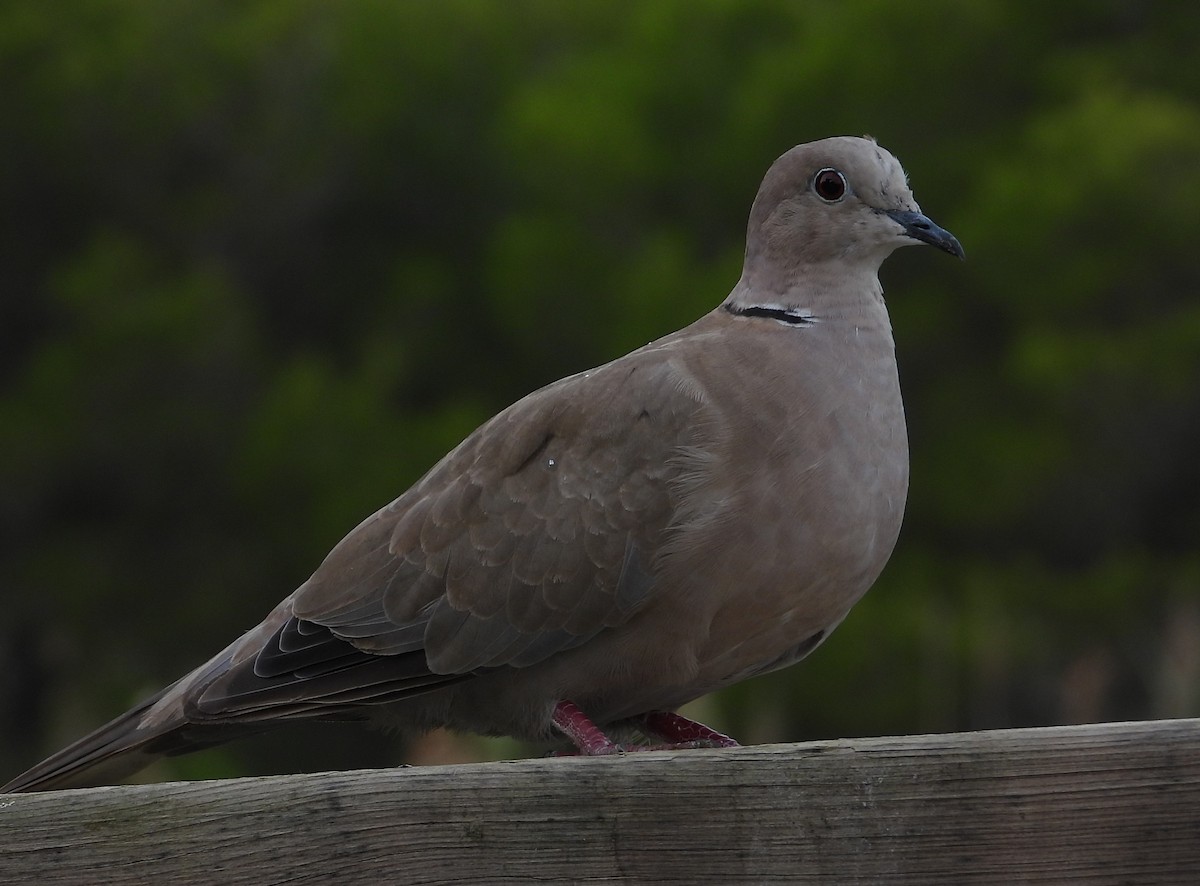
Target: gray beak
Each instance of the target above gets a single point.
(920, 227)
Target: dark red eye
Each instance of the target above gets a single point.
(830, 185)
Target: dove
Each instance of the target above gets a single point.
(702, 510)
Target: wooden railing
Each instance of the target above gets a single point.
(1109, 803)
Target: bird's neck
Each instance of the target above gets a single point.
(832, 294)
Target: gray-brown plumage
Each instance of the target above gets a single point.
(701, 510)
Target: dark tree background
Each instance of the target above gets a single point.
(262, 264)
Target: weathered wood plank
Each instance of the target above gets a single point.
(1112, 803)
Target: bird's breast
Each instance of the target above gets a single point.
(805, 503)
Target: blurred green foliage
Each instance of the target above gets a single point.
(264, 263)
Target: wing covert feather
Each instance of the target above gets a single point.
(533, 535)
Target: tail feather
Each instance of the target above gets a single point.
(113, 752)
(284, 669)
(158, 727)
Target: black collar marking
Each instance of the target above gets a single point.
(790, 316)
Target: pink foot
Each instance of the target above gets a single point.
(584, 734)
(681, 732)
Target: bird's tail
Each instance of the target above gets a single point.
(279, 671)
(119, 749)
(161, 726)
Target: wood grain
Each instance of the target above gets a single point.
(1111, 803)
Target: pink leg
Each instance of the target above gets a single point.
(679, 732)
(682, 732)
(585, 734)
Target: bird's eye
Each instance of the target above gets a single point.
(830, 185)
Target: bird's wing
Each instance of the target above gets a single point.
(536, 533)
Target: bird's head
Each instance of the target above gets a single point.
(840, 200)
